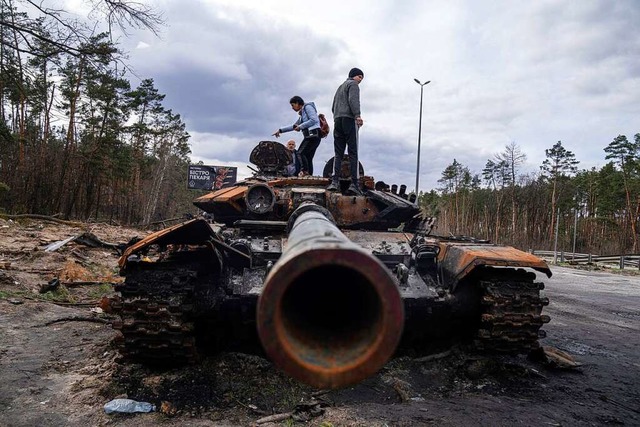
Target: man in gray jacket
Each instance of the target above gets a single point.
(347, 121)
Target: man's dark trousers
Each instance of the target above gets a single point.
(345, 135)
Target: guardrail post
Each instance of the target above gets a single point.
(590, 259)
(621, 262)
(562, 256)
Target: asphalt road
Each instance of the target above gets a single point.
(58, 374)
(595, 316)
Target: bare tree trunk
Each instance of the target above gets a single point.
(70, 143)
(47, 116)
(634, 227)
(513, 213)
(553, 211)
(3, 116)
(486, 221)
(69, 147)
(20, 87)
(154, 194)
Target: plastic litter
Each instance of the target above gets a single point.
(127, 406)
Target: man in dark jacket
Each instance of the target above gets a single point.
(347, 121)
(293, 168)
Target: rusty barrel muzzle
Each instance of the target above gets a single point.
(330, 314)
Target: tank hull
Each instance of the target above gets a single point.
(327, 285)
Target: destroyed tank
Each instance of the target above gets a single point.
(327, 285)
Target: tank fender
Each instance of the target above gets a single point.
(456, 261)
(193, 232)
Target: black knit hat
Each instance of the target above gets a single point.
(355, 72)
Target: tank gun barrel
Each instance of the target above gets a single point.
(330, 314)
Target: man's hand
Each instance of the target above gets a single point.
(359, 121)
(296, 128)
(276, 133)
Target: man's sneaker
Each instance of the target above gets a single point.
(353, 190)
(333, 186)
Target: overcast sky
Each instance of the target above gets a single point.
(501, 71)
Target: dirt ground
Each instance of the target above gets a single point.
(58, 365)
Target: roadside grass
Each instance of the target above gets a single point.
(59, 294)
(97, 292)
(62, 294)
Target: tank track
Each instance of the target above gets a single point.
(155, 307)
(511, 312)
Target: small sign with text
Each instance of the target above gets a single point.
(205, 177)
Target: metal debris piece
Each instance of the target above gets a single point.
(49, 286)
(105, 304)
(168, 408)
(57, 245)
(87, 239)
(554, 358)
(559, 359)
(91, 240)
(401, 387)
(435, 356)
(274, 418)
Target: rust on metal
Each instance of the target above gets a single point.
(460, 259)
(195, 231)
(367, 182)
(347, 210)
(512, 307)
(300, 181)
(228, 196)
(330, 314)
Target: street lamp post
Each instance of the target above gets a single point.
(422, 85)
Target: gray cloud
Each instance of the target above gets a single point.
(533, 73)
(231, 73)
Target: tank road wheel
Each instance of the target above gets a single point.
(155, 307)
(511, 311)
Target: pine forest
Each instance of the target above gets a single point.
(79, 141)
